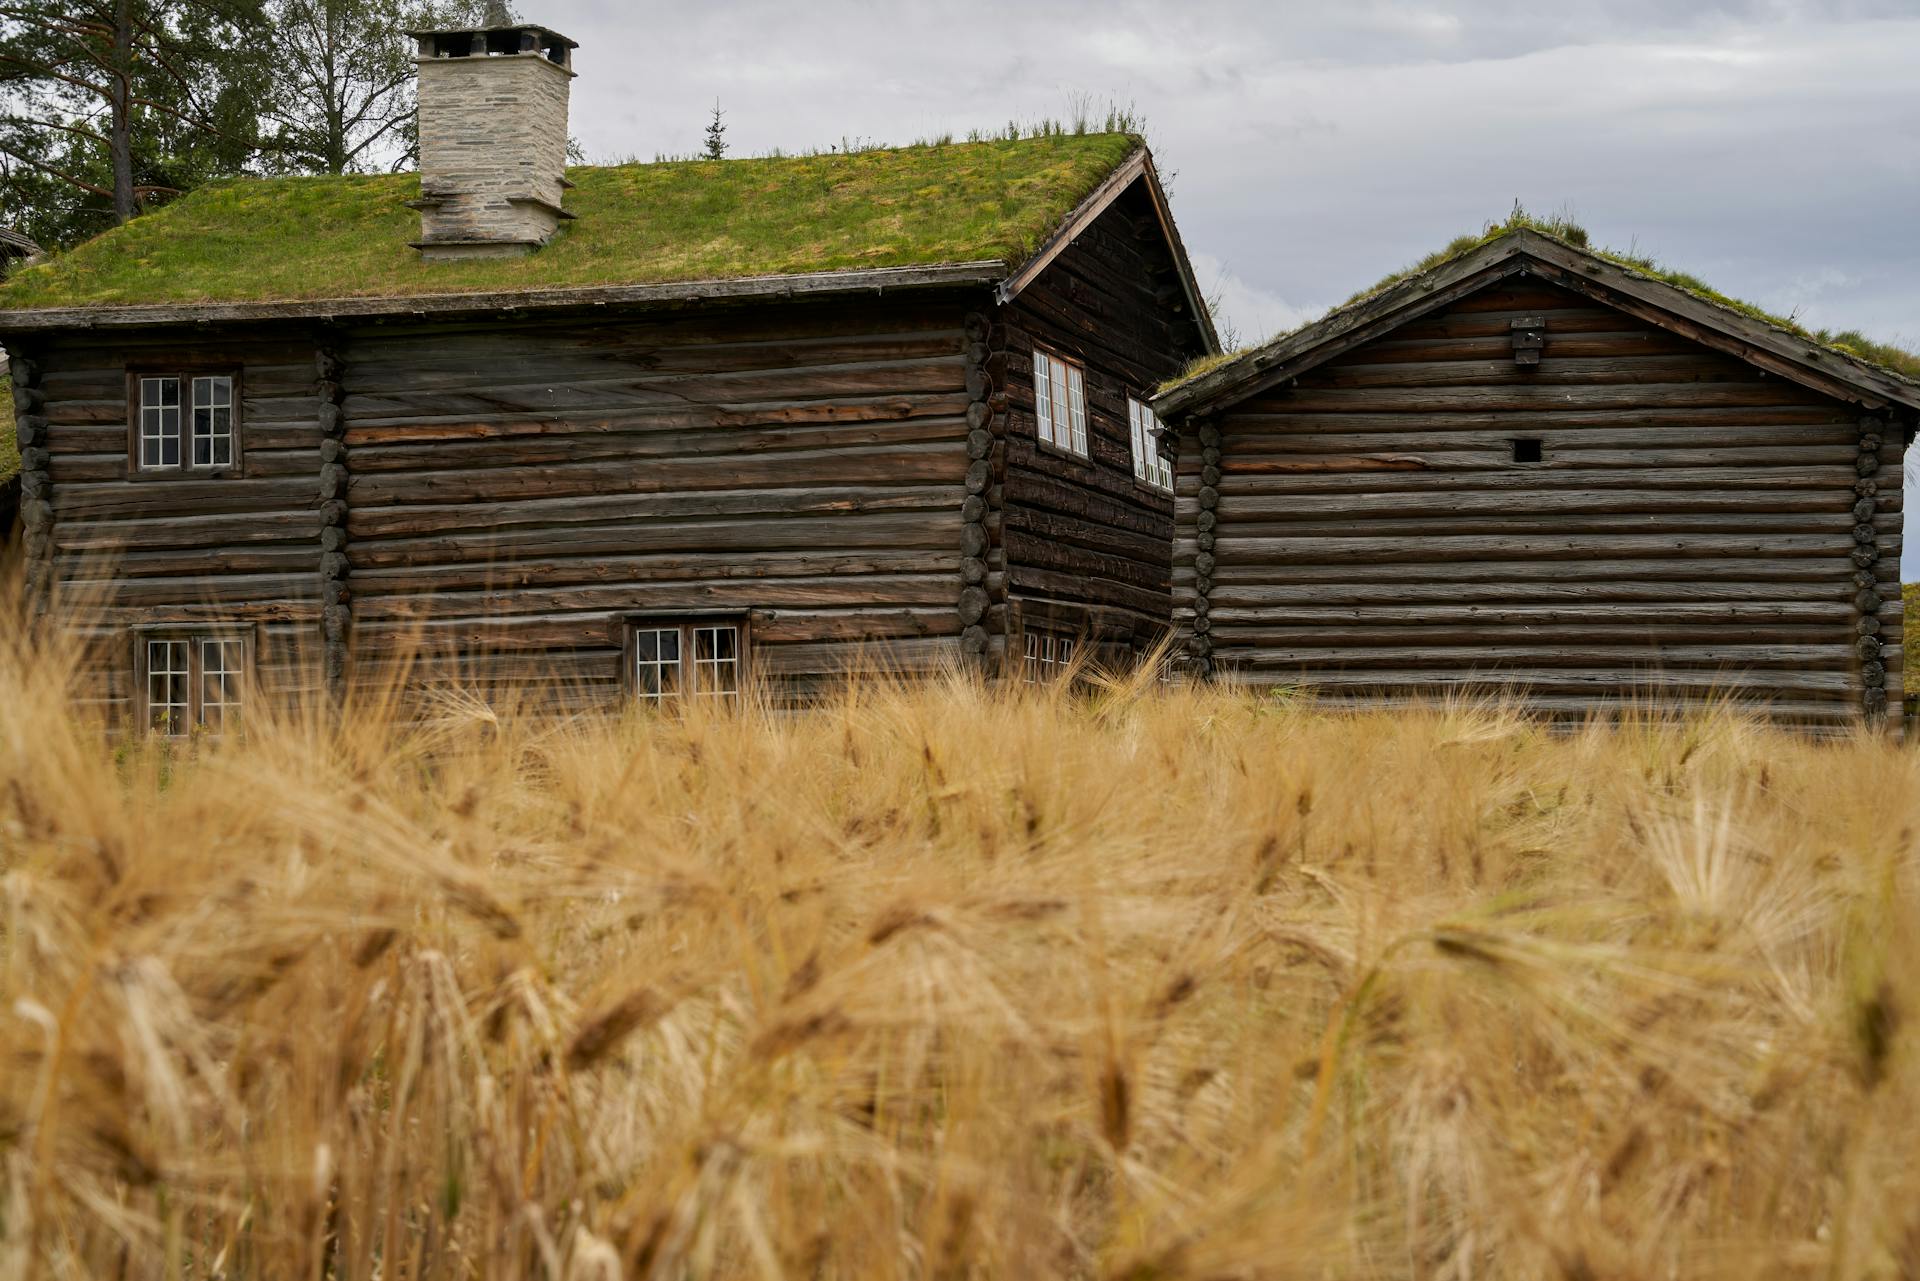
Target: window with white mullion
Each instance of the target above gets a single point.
(159, 422)
(1043, 395)
(222, 667)
(169, 686)
(1047, 656)
(213, 422)
(1077, 403)
(1150, 466)
(674, 659)
(193, 680)
(656, 663)
(716, 661)
(1060, 403)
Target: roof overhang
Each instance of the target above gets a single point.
(1137, 167)
(880, 280)
(1528, 253)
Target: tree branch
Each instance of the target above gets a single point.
(61, 174)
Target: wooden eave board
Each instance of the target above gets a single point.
(1527, 253)
(681, 293)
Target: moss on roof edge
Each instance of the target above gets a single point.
(943, 204)
(1848, 345)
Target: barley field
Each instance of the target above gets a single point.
(944, 981)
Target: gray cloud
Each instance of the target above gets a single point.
(1769, 147)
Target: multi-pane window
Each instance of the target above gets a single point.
(174, 436)
(169, 686)
(1150, 466)
(705, 659)
(223, 666)
(656, 663)
(193, 682)
(716, 660)
(159, 422)
(213, 422)
(1060, 402)
(1047, 657)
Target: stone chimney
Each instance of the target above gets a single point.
(493, 140)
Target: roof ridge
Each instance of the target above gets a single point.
(1208, 381)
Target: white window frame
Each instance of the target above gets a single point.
(1059, 402)
(1046, 656)
(699, 664)
(213, 397)
(192, 414)
(1150, 467)
(193, 679)
(159, 422)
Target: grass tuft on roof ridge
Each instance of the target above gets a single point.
(299, 239)
(1850, 343)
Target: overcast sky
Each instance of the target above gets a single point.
(1771, 148)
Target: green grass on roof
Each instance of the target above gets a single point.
(9, 440)
(287, 239)
(1847, 342)
(1910, 665)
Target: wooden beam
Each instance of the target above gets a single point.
(678, 293)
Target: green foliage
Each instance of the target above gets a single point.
(297, 238)
(9, 442)
(716, 135)
(1910, 664)
(171, 91)
(341, 96)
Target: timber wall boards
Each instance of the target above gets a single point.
(519, 493)
(1085, 546)
(1380, 528)
(498, 499)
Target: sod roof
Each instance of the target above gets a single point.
(9, 440)
(299, 239)
(1223, 369)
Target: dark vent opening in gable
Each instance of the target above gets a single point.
(1527, 449)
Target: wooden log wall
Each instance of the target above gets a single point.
(974, 537)
(35, 480)
(1695, 527)
(238, 550)
(336, 600)
(1079, 543)
(516, 490)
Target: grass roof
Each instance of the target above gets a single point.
(1910, 668)
(9, 439)
(1852, 343)
(292, 239)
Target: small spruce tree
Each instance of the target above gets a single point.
(716, 134)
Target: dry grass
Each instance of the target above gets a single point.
(943, 982)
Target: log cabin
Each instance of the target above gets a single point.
(637, 430)
(1542, 471)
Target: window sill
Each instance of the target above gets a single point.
(1061, 451)
(149, 475)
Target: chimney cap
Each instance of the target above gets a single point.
(535, 28)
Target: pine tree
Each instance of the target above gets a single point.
(716, 134)
(107, 106)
